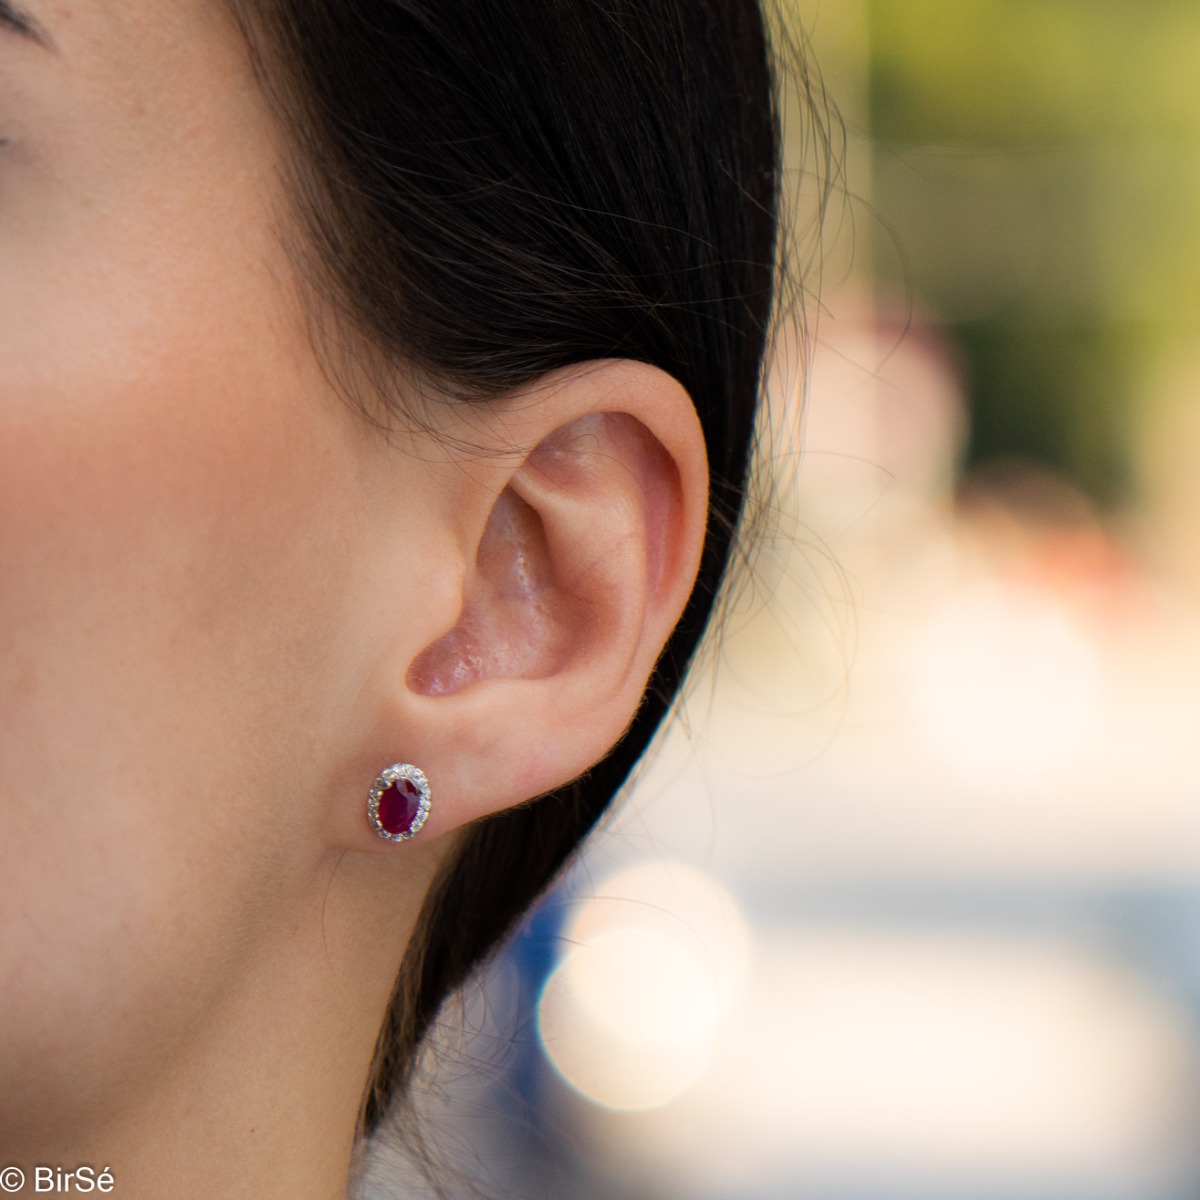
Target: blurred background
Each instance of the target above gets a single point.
(907, 906)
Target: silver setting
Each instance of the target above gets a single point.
(383, 781)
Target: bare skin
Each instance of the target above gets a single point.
(226, 602)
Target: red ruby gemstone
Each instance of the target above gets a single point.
(398, 806)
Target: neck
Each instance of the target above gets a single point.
(263, 1095)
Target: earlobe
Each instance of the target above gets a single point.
(585, 561)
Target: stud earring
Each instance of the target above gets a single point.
(398, 802)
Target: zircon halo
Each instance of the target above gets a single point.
(398, 802)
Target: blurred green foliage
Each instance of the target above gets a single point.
(1036, 180)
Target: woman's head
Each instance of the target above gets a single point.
(378, 383)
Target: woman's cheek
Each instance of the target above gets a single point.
(176, 519)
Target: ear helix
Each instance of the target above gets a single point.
(398, 802)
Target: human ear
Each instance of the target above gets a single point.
(583, 565)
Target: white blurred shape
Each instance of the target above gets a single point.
(1005, 686)
(628, 1020)
(867, 1054)
(644, 988)
(684, 905)
(658, 955)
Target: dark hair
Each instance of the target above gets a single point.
(494, 189)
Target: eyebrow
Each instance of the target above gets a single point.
(17, 21)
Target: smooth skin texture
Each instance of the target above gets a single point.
(227, 600)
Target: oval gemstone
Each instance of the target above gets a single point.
(398, 806)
